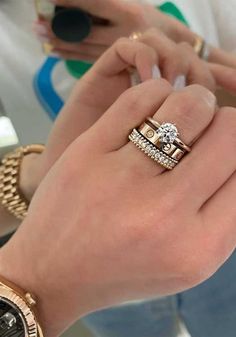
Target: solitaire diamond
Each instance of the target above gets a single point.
(167, 133)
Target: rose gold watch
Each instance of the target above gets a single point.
(17, 312)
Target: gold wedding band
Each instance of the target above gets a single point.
(198, 45)
(201, 48)
(135, 36)
(160, 142)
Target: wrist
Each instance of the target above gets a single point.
(62, 296)
(50, 313)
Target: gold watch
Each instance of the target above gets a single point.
(10, 195)
(17, 312)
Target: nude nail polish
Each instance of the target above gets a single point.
(156, 73)
(180, 82)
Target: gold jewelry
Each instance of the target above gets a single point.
(168, 134)
(135, 36)
(201, 48)
(10, 195)
(198, 45)
(17, 312)
(151, 151)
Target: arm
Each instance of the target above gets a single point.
(99, 200)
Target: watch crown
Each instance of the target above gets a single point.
(30, 299)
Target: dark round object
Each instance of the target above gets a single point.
(71, 25)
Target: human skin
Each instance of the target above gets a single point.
(125, 18)
(89, 99)
(125, 228)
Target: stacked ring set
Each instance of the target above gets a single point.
(160, 142)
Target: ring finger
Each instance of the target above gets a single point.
(191, 110)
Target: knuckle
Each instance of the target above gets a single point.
(192, 99)
(174, 59)
(151, 32)
(135, 13)
(183, 113)
(203, 77)
(121, 41)
(186, 47)
(154, 37)
(134, 99)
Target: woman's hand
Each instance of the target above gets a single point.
(153, 56)
(108, 224)
(150, 58)
(154, 52)
(125, 18)
(101, 86)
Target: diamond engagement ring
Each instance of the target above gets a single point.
(167, 135)
(160, 142)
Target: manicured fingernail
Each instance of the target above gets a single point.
(156, 73)
(135, 78)
(180, 82)
(40, 29)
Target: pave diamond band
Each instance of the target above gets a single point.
(152, 151)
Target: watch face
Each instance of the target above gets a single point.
(12, 323)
